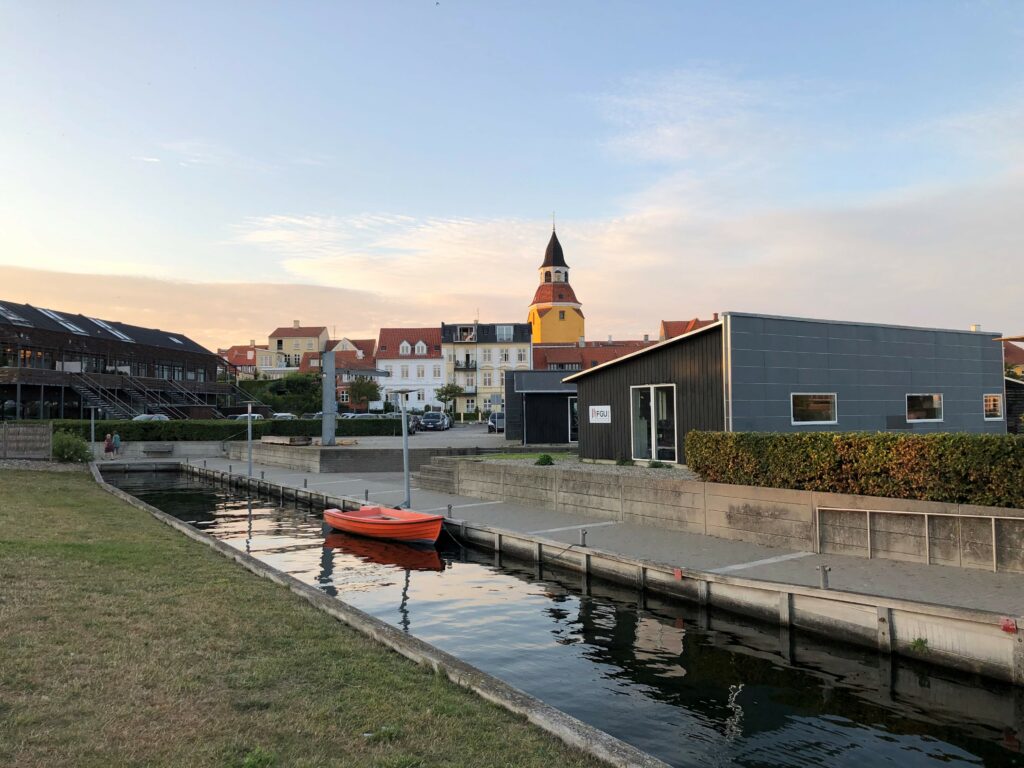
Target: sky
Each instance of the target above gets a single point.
(221, 169)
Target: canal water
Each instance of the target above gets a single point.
(694, 687)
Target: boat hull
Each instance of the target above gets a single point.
(384, 523)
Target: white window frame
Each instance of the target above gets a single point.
(404, 348)
(504, 332)
(675, 423)
(835, 407)
(403, 372)
(487, 354)
(906, 407)
(421, 348)
(504, 355)
(486, 379)
(437, 371)
(1002, 410)
(521, 355)
(421, 371)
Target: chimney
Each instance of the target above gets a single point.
(609, 338)
(975, 327)
(252, 342)
(295, 324)
(714, 317)
(647, 337)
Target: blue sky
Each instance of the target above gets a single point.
(384, 163)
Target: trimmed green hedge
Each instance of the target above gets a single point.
(952, 467)
(224, 429)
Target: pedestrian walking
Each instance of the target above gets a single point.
(117, 444)
(108, 447)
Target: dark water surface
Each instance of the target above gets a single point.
(695, 688)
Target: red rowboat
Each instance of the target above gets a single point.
(386, 523)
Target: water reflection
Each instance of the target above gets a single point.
(695, 687)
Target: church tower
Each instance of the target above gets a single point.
(555, 315)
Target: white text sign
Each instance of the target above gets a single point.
(600, 414)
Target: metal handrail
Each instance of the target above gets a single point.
(153, 399)
(101, 393)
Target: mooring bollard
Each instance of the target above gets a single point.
(261, 474)
(449, 511)
(305, 482)
(229, 469)
(583, 537)
(204, 463)
(823, 570)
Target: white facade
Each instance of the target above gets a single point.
(413, 358)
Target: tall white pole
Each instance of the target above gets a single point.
(249, 434)
(405, 451)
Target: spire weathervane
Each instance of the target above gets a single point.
(552, 221)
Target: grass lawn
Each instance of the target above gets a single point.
(124, 643)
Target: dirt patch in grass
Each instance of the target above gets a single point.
(124, 643)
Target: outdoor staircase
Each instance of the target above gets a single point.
(438, 475)
(94, 396)
(150, 401)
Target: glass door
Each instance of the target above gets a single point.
(653, 422)
(641, 422)
(574, 420)
(665, 423)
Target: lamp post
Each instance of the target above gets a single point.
(248, 430)
(92, 428)
(403, 395)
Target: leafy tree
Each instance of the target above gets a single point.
(363, 389)
(447, 394)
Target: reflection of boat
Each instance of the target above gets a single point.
(386, 523)
(386, 552)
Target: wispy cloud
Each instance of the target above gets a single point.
(142, 159)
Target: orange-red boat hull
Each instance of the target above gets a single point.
(386, 523)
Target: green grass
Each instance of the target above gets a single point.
(126, 644)
(533, 456)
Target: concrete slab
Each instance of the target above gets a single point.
(944, 585)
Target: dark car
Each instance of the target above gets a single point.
(435, 420)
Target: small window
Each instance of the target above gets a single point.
(993, 407)
(487, 379)
(504, 333)
(924, 407)
(421, 348)
(547, 277)
(811, 408)
(420, 371)
(487, 354)
(404, 348)
(561, 314)
(343, 397)
(405, 371)
(521, 355)
(504, 355)
(437, 371)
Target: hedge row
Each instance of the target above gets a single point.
(951, 467)
(224, 429)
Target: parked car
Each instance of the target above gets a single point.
(434, 420)
(366, 416)
(285, 416)
(151, 417)
(496, 422)
(245, 417)
(348, 415)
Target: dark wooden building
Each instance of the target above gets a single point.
(60, 365)
(760, 373)
(1015, 406)
(540, 408)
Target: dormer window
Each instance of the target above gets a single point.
(421, 348)
(404, 348)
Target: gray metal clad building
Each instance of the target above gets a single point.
(764, 373)
(540, 408)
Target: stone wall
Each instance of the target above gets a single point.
(315, 458)
(862, 526)
(26, 441)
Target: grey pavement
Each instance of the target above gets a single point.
(944, 585)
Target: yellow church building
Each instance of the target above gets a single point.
(555, 316)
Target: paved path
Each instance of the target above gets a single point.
(984, 590)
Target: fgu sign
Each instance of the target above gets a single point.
(600, 414)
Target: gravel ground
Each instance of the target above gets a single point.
(672, 472)
(42, 466)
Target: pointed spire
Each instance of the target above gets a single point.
(553, 256)
(552, 222)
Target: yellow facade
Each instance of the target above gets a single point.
(556, 323)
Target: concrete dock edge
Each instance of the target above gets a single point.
(568, 729)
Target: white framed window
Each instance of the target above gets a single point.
(487, 354)
(486, 378)
(504, 332)
(993, 407)
(924, 407)
(419, 394)
(421, 371)
(471, 381)
(404, 348)
(309, 343)
(404, 372)
(421, 348)
(470, 404)
(813, 408)
(296, 345)
(521, 355)
(652, 422)
(504, 354)
(437, 371)
(343, 397)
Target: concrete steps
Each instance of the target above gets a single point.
(436, 476)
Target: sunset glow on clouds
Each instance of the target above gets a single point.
(683, 184)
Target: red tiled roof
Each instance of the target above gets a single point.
(300, 332)
(367, 346)
(390, 341)
(343, 358)
(672, 328)
(241, 354)
(594, 353)
(550, 293)
(1013, 354)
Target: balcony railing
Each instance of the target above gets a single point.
(465, 365)
(469, 390)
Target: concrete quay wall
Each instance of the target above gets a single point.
(316, 458)
(960, 535)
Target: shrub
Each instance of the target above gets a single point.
(544, 460)
(624, 461)
(658, 464)
(958, 468)
(226, 429)
(70, 447)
